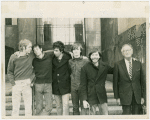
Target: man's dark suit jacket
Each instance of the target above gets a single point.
(92, 88)
(124, 87)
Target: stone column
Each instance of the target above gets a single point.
(93, 34)
(27, 29)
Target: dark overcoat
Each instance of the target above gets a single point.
(124, 87)
(61, 75)
(92, 88)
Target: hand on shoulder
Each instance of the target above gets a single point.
(17, 54)
(135, 59)
(84, 57)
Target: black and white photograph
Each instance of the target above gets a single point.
(74, 67)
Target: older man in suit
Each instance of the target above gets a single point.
(92, 86)
(128, 82)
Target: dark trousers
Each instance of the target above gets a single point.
(75, 101)
(133, 108)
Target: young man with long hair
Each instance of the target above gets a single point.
(76, 64)
(93, 77)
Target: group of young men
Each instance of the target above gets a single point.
(59, 73)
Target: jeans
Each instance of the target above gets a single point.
(103, 109)
(43, 90)
(75, 101)
(22, 86)
(62, 104)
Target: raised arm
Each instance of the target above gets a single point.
(17, 53)
(69, 53)
(51, 51)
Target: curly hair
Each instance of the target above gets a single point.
(60, 45)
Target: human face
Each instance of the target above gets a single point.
(95, 57)
(37, 51)
(127, 52)
(28, 48)
(76, 52)
(57, 52)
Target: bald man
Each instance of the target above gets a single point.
(128, 82)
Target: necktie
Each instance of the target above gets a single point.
(130, 70)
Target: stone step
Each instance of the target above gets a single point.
(112, 106)
(8, 89)
(111, 102)
(22, 112)
(8, 92)
(113, 110)
(9, 98)
(110, 93)
(9, 105)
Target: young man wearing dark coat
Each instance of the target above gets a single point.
(93, 77)
(128, 82)
(61, 85)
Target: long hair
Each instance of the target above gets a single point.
(95, 52)
(75, 46)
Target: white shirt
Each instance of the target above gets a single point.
(127, 64)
